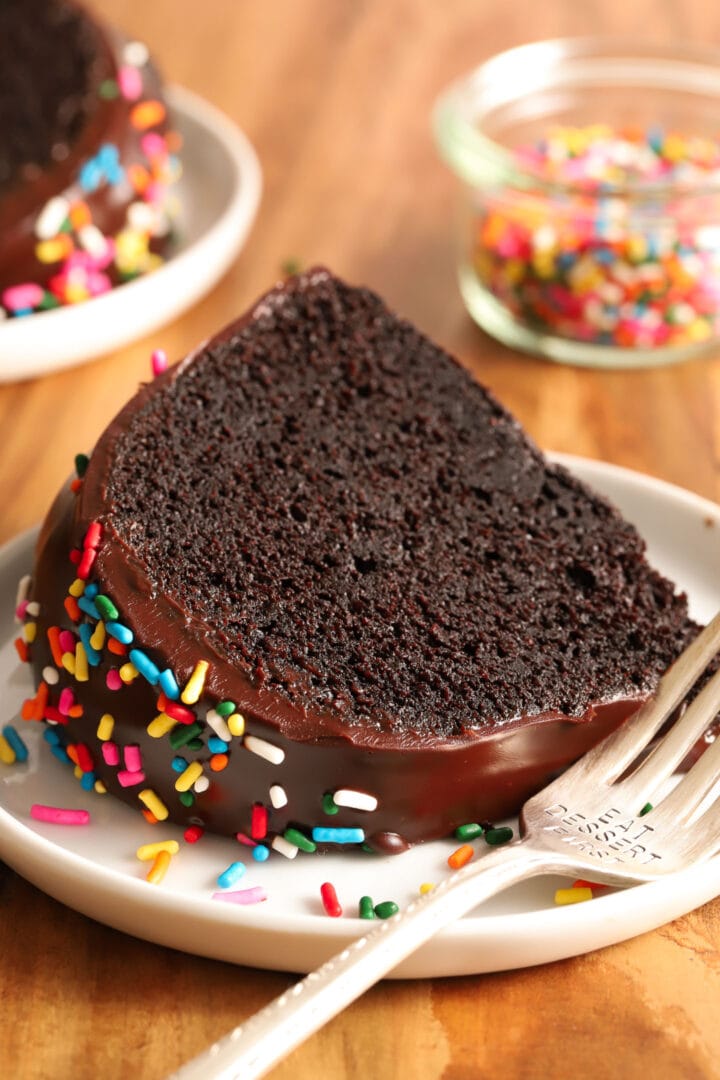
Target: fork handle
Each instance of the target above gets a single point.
(268, 1036)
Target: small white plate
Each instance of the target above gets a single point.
(219, 192)
(94, 869)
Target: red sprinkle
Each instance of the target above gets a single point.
(330, 900)
(193, 833)
(116, 646)
(93, 535)
(258, 822)
(178, 712)
(85, 565)
(83, 757)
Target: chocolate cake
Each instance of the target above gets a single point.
(86, 157)
(315, 585)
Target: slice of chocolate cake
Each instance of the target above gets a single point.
(315, 578)
(86, 157)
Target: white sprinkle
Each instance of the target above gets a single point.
(278, 797)
(50, 675)
(263, 749)
(92, 240)
(22, 592)
(201, 784)
(357, 800)
(52, 217)
(218, 725)
(136, 53)
(284, 847)
(33, 609)
(141, 217)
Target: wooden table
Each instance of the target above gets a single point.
(335, 95)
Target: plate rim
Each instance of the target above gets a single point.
(564, 927)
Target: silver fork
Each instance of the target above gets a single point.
(591, 822)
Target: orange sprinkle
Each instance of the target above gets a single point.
(116, 647)
(139, 177)
(76, 485)
(21, 647)
(75, 711)
(147, 114)
(53, 636)
(71, 752)
(460, 857)
(27, 708)
(80, 215)
(159, 868)
(71, 606)
(149, 816)
(218, 762)
(41, 700)
(174, 141)
(582, 884)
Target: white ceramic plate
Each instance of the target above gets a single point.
(94, 869)
(219, 192)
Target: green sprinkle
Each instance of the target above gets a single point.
(187, 798)
(386, 909)
(328, 804)
(48, 302)
(366, 847)
(495, 837)
(471, 831)
(225, 709)
(195, 744)
(108, 89)
(294, 836)
(182, 734)
(290, 266)
(646, 809)
(365, 908)
(81, 463)
(106, 607)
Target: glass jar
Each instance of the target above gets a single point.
(589, 226)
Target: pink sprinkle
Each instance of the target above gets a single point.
(153, 145)
(56, 815)
(67, 641)
(130, 779)
(21, 609)
(133, 757)
(159, 361)
(66, 701)
(130, 82)
(98, 284)
(22, 297)
(113, 680)
(245, 839)
(111, 753)
(242, 896)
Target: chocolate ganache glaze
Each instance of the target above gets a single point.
(321, 524)
(86, 139)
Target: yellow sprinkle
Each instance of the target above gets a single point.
(77, 588)
(146, 852)
(128, 672)
(55, 250)
(426, 887)
(159, 868)
(30, 632)
(155, 805)
(68, 662)
(236, 724)
(186, 779)
(195, 683)
(78, 773)
(100, 787)
(572, 896)
(98, 637)
(7, 754)
(81, 663)
(160, 725)
(105, 727)
(698, 330)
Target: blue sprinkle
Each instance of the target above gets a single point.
(91, 591)
(217, 745)
(145, 666)
(87, 605)
(19, 747)
(179, 764)
(323, 835)
(87, 781)
(90, 175)
(19, 312)
(51, 736)
(260, 853)
(86, 632)
(121, 633)
(168, 685)
(233, 873)
(61, 754)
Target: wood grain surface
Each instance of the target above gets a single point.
(336, 96)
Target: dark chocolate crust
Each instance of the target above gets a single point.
(481, 621)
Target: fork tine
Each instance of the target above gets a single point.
(694, 789)
(705, 838)
(610, 758)
(670, 751)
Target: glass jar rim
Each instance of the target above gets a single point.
(557, 63)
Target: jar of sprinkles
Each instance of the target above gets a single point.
(589, 225)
